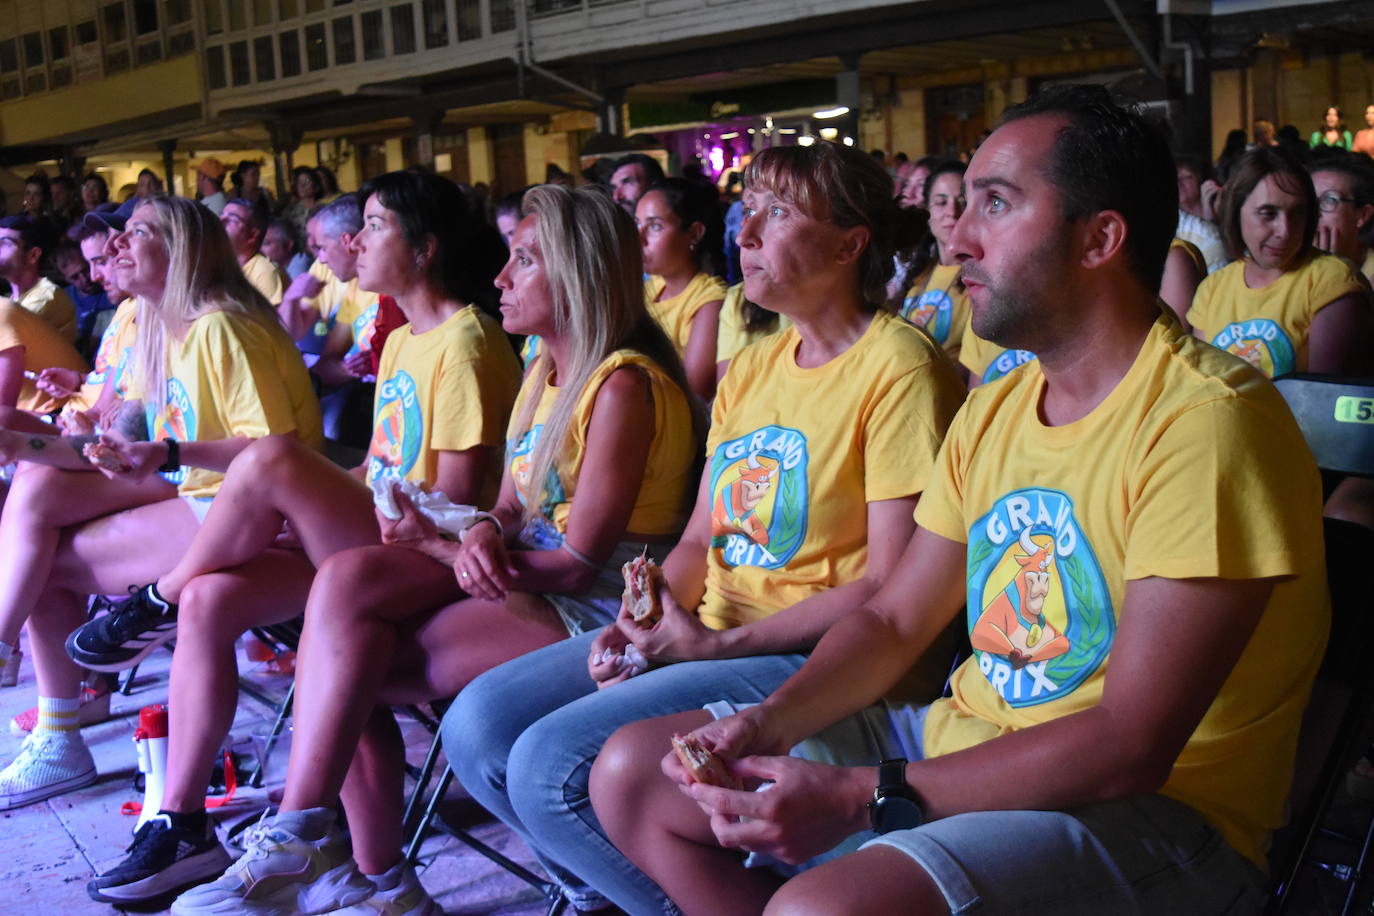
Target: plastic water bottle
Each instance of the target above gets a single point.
(150, 739)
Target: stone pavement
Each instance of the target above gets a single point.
(49, 850)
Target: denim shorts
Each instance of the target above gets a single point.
(598, 605)
(1147, 854)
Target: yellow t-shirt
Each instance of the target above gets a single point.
(939, 303)
(795, 455)
(44, 348)
(987, 360)
(732, 336)
(1367, 268)
(662, 504)
(233, 376)
(448, 389)
(358, 308)
(51, 303)
(112, 357)
(675, 315)
(266, 277)
(1192, 252)
(1197, 470)
(1268, 327)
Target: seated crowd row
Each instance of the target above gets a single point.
(1128, 515)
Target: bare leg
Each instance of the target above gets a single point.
(61, 611)
(1353, 501)
(203, 692)
(43, 501)
(372, 793)
(356, 604)
(275, 479)
(879, 879)
(663, 831)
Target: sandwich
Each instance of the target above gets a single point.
(104, 456)
(703, 765)
(643, 577)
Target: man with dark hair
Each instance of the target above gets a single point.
(282, 248)
(24, 244)
(85, 292)
(1145, 625)
(634, 174)
(246, 225)
(66, 201)
(1344, 185)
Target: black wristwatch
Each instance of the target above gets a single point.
(894, 805)
(173, 462)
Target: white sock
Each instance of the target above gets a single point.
(59, 716)
(309, 824)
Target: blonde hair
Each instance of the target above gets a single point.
(203, 275)
(592, 260)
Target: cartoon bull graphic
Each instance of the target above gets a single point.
(736, 502)
(1013, 624)
(1251, 351)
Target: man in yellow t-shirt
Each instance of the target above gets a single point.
(24, 243)
(1134, 523)
(246, 225)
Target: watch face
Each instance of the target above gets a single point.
(893, 812)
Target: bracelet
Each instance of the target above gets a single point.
(173, 462)
(477, 519)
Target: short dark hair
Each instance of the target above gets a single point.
(287, 229)
(33, 231)
(66, 181)
(941, 167)
(511, 203)
(100, 183)
(1255, 166)
(311, 174)
(1109, 157)
(1195, 164)
(1355, 167)
(468, 252)
(257, 216)
(653, 172)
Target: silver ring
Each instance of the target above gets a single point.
(465, 574)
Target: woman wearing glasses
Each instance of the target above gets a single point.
(1282, 305)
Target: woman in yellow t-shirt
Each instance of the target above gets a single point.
(600, 454)
(681, 231)
(1281, 305)
(937, 300)
(822, 438)
(742, 323)
(219, 372)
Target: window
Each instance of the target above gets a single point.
(145, 17)
(9, 56)
(469, 20)
(403, 29)
(38, 82)
(288, 9)
(177, 12)
(374, 41)
(316, 52)
(345, 46)
(262, 58)
(435, 14)
(262, 12)
(9, 89)
(238, 16)
(33, 49)
(314, 6)
(116, 61)
(290, 44)
(214, 17)
(58, 45)
(502, 15)
(238, 63)
(116, 28)
(149, 52)
(86, 32)
(214, 67)
(61, 75)
(181, 43)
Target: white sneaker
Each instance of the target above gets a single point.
(281, 874)
(49, 763)
(9, 672)
(407, 898)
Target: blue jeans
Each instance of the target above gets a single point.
(522, 738)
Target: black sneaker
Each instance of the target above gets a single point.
(162, 860)
(125, 636)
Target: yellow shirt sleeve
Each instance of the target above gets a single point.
(903, 433)
(941, 509)
(245, 381)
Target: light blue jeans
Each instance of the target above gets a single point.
(522, 739)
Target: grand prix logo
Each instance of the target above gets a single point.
(759, 500)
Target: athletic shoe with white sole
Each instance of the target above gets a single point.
(281, 874)
(125, 636)
(49, 763)
(95, 708)
(9, 672)
(407, 898)
(162, 859)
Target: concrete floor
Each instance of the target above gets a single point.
(49, 850)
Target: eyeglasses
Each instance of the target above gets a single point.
(1330, 202)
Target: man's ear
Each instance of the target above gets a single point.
(1103, 237)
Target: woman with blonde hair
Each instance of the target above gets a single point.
(216, 371)
(600, 456)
